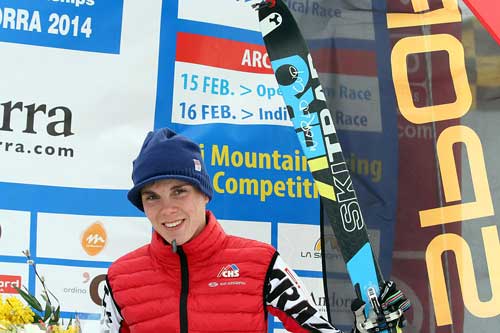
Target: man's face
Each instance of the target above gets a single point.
(175, 208)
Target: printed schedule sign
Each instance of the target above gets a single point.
(237, 87)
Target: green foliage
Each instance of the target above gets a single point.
(51, 315)
(31, 300)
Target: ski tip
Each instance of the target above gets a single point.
(264, 4)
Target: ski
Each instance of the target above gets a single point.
(313, 123)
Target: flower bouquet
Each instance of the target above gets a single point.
(17, 317)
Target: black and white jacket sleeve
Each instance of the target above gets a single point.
(287, 298)
(111, 319)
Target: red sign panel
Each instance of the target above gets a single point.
(8, 282)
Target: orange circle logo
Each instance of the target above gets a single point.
(94, 239)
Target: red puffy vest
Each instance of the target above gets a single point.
(214, 283)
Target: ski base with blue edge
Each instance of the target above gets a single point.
(313, 123)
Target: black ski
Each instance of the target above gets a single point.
(313, 123)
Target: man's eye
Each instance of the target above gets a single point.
(149, 197)
(179, 191)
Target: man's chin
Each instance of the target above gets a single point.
(178, 240)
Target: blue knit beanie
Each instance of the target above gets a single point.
(168, 155)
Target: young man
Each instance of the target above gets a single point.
(193, 277)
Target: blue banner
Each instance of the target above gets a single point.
(86, 25)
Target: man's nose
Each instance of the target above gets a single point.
(168, 207)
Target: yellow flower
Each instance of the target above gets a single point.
(15, 312)
(6, 327)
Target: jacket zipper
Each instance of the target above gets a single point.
(184, 290)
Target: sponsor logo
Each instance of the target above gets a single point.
(229, 271)
(8, 282)
(315, 253)
(82, 290)
(94, 239)
(226, 283)
(40, 121)
(58, 118)
(331, 250)
(197, 164)
(337, 302)
(319, 302)
(276, 19)
(317, 246)
(95, 286)
(74, 290)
